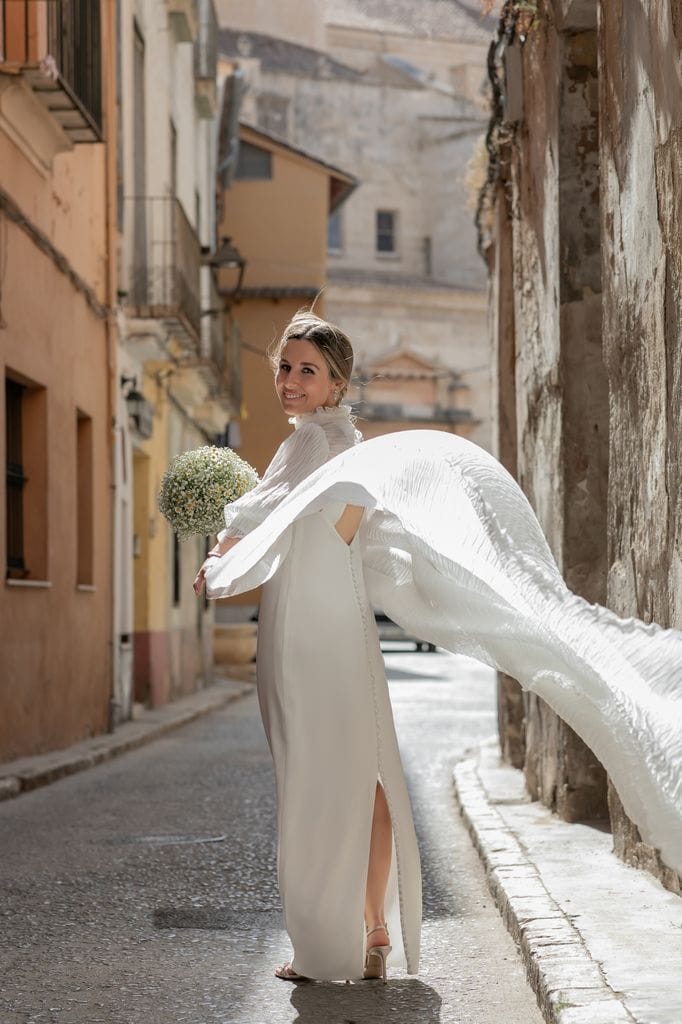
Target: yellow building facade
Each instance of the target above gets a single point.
(174, 367)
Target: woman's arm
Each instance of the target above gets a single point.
(220, 549)
(302, 453)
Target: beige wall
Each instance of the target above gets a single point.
(58, 278)
(442, 324)
(54, 638)
(280, 225)
(456, 63)
(299, 21)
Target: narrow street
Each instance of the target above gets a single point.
(144, 890)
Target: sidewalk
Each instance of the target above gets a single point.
(30, 772)
(602, 941)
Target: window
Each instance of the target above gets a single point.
(84, 500)
(334, 232)
(26, 478)
(176, 570)
(15, 479)
(253, 163)
(74, 38)
(386, 240)
(427, 250)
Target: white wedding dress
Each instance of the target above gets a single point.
(450, 548)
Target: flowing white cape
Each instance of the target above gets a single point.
(453, 552)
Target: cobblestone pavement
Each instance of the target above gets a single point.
(143, 891)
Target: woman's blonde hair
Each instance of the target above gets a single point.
(333, 345)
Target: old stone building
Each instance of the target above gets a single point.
(393, 93)
(579, 221)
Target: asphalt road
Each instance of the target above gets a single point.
(143, 891)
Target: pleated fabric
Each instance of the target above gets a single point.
(452, 550)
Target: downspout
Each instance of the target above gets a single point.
(110, 125)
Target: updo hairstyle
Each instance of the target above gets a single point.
(330, 341)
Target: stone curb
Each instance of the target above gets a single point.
(569, 985)
(27, 773)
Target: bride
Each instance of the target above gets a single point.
(432, 529)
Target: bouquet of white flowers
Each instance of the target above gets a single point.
(198, 485)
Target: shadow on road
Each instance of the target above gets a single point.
(408, 1000)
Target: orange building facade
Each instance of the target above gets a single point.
(57, 182)
(276, 212)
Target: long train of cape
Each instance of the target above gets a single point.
(453, 552)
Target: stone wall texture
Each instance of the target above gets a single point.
(585, 288)
(641, 161)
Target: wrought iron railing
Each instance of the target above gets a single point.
(59, 45)
(213, 341)
(163, 273)
(74, 40)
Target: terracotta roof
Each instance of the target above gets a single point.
(430, 19)
(279, 55)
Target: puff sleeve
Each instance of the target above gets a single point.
(299, 455)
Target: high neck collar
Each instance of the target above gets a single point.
(341, 413)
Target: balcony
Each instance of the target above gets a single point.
(206, 60)
(204, 383)
(57, 49)
(162, 276)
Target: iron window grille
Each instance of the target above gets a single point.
(15, 479)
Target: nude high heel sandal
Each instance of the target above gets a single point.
(375, 959)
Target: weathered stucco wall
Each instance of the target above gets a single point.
(596, 264)
(561, 403)
(641, 156)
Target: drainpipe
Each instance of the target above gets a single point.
(110, 137)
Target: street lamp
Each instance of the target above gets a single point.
(227, 256)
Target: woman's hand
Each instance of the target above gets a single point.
(217, 552)
(200, 578)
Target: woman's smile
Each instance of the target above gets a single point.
(302, 382)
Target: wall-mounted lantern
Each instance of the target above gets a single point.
(140, 411)
(228, 257)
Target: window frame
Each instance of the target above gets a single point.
(244, 148)
(337, 215)
(15, 480)
(85, 512)
(379, 231)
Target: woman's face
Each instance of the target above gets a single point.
(302, 380)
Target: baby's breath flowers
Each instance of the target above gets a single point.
(198, 485)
